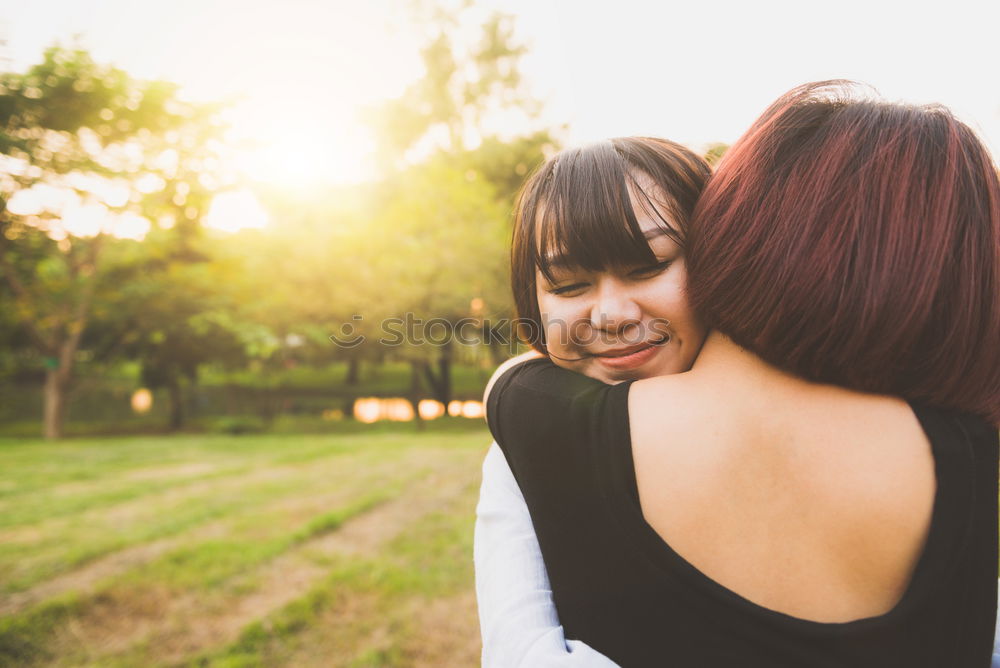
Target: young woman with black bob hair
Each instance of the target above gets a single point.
(821, 487)
(617, 210)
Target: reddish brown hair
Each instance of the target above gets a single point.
(579, 205)
(857, 242)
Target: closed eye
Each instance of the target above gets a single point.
(651, 270)
(567, 289)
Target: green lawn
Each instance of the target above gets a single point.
(261, 550)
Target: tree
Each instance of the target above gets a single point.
(87, 154)
(449, 109)
(714, 152)
(172, 313)
(443, 219)
(309, 274)
(448, 247)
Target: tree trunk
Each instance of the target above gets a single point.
(58, 374)
(353, 370)
(59, 371)
(444, 374)
(176, 396)
(440, 382)
(414, 396)
(55, 403)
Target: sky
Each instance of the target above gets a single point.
(303, 72)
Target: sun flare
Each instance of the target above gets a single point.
(308, 157)
(236, 210)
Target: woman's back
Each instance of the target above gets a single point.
(807, 499)
(708, 531)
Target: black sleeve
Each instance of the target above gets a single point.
(536, 401)
(547, 420)
(557, 429)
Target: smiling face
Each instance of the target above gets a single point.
(597, 265)
(624, 322)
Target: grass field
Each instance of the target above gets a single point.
(347, 550)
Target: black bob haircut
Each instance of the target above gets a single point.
(579, 209)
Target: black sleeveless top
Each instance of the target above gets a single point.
(621, 589)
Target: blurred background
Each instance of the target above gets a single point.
(253, 279)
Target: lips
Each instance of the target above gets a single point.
(631, 350)
(631, 357)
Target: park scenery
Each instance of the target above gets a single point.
(247, 312)
(240, 417)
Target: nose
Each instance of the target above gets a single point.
(614, 309)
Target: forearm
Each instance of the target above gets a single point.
(519, 623)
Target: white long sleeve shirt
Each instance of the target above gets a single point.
(517, 616)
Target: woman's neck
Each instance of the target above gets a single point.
(722, 360)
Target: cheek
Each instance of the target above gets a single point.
(560, 317)
(548, 312)
(674, 306)
(666, 299)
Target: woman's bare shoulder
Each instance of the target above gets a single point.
(679, 400)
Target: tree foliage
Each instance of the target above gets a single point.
(105, 181)
(463, 87)
(90, 155)
(451, 181)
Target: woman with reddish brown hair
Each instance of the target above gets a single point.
(821, 487)
(879, 222)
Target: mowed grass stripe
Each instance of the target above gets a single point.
(224, 581)
(183, 573)
(70, 543)
(184, 623)
(22, 637)
(155, 498)
(250, 522)
(35, 464)
(373, 611)
(202, 565)
(100, 483)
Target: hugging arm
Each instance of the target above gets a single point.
(996, 648)
(518, 618)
